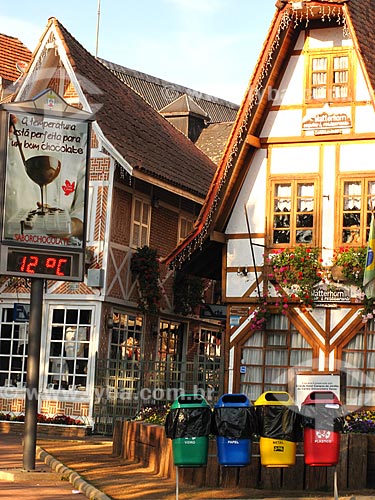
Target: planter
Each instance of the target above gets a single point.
(337, 274)
(72, 431)
(148, 445)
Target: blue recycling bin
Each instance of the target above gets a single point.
(234, 424)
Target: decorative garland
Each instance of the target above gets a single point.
(326, 13)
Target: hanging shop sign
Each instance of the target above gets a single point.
(213, 311)
(330, 295)
(327, 122)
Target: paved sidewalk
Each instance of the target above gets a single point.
(96, 474)
(17, 484)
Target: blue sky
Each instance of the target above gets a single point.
(207, 45)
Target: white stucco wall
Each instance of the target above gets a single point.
(253, 194)
(328, 202)
(357, 157)
(285, 123)
(295, 159)
(329, 37)
(290, 90)
(364, 119)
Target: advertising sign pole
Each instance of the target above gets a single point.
(44, 183)
(32, 374)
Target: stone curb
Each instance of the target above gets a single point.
(73, 477)
(25, 475)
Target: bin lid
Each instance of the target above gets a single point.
(233, 401)
(272, 398)
(321, 397)
(189, 401)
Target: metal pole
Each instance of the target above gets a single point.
(335, 488)
(32, 375)
(176, 483)
(97, 31)
(252, 250)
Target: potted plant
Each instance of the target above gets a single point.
(297, 270)
(349, 265)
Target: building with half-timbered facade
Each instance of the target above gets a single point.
(297, 178)
(147, 183)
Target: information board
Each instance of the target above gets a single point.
(309, 382)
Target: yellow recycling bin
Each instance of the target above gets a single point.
(280, 428)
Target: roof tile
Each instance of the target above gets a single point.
(12, 52)
(141, 135)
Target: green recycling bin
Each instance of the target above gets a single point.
(188, 424)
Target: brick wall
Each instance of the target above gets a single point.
(121, 216)
(70, 408)
(99, 169)
(164, 227)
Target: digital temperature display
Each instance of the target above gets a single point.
(37, 264)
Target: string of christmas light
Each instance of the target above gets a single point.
(299, 19)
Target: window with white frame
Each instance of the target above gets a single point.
(185, 225)
(140, 223)
(357, 204)
(126, 336)
(13, 350)
(293, 212)
(358, 364)
(71, 331)
(268, 355)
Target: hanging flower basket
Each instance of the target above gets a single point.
(145, 267)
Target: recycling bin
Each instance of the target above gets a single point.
(188, 424)
(234, 423)
(322, 421)
(280, 428)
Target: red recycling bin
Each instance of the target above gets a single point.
(322, 421)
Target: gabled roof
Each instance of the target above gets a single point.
(142, 137)
(159, 93)
(356, 16)
(13, 57)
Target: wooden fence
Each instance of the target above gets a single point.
(148, 445)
